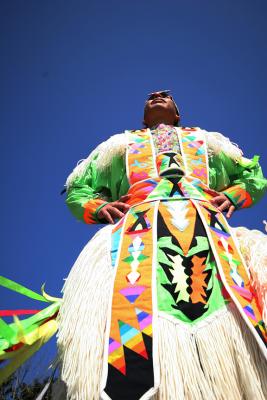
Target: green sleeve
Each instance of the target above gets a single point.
(247, 183)
(95, 187)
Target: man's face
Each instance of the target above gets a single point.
(160, 105)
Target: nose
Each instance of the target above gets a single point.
(158, 94)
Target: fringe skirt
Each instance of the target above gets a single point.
(216, 358)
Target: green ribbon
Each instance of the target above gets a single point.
(10, 332)
(6, 332)
(29, 324)
(16, 287)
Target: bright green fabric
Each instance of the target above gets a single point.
(224, 173)
(165, 301)
(108, 184)
(111, 183)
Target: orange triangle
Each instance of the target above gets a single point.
(120, 365)
(140, 349)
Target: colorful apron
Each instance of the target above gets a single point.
(173, 252)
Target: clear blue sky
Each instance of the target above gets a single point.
(75, 72)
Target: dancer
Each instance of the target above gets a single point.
(165, 302)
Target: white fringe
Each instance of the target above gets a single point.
(82, 318)
(216, 142)
(253, 246)
(116, 146)
(216, 359)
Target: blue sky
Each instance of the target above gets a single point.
(75, 72)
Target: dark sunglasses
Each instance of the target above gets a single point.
(162, 93)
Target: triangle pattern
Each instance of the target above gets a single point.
(137, 345)
(131, 293)
(117, 360)
(144, 318)
(127, 332)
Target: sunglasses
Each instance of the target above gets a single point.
(162, 93)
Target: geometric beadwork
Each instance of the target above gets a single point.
(131, 318)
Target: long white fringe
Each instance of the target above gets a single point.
(216, 359)
(216, 142)
(82, 318)
(253, 246)
(114, 146)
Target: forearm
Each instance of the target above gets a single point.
(242, 180)
(247, 188)
(84, 204)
